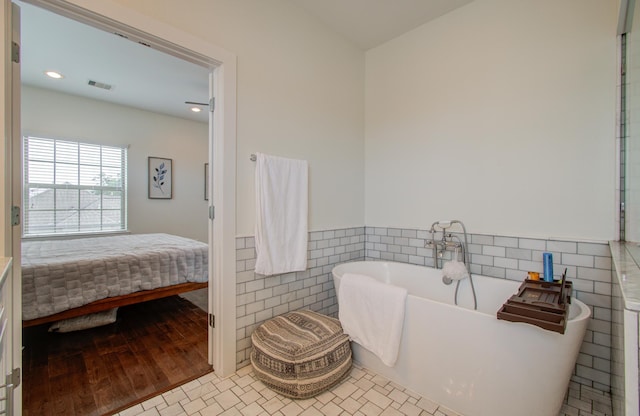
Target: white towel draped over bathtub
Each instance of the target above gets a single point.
(281, 214)
(372, 314)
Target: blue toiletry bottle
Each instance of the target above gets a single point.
(547, 260)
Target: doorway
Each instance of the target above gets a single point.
(221, 228)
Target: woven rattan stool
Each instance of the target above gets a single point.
(300, 354)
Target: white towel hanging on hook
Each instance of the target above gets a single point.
(281, 214)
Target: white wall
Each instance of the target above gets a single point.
(51, 114)
(300, 95)
(500, 114)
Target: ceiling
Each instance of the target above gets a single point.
(370, 23)
(141, 77)
(151, 80)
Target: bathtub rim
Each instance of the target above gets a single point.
(338, 270)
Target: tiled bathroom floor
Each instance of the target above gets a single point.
(363, 394)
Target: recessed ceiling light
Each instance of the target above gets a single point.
(196, 109)
(54, 74)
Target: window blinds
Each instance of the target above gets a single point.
(72, 187)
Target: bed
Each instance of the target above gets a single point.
(67, 278)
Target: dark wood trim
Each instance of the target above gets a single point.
(117, 301)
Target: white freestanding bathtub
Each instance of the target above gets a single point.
(468, 360)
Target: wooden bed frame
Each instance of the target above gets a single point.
(116, 301)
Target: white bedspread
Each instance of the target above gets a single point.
(62, 274)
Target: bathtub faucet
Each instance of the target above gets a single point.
(449, 241)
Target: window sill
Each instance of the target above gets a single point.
(78, 235)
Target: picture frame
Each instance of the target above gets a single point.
(160, 171)
(206, 181)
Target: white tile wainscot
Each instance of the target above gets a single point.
(262, 297)
(626, 307)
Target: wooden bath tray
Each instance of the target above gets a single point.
(540, 303)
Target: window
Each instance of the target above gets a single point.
(72, 187)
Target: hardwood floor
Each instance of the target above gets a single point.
(153, 347)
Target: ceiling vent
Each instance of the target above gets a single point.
(102, 85)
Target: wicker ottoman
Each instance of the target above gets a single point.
(300, 354)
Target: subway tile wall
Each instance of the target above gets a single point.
(259, 298)
(588, 266)
(617, 350)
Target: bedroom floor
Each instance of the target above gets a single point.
(363, 393)
(153, 347)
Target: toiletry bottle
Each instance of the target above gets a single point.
(547, 260)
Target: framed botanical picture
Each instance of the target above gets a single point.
(160, 178)
(206, 181)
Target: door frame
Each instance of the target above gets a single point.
(222, 151)
(10, 122)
